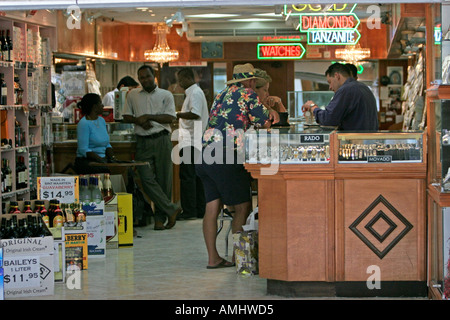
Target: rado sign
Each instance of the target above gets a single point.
(311, 138)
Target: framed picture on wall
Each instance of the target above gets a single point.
(395, 75)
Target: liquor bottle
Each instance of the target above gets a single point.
(3, 175)
(4, 46)
(9, 45)
(51, 212)
(3, 229)
(107, 187)
(85, 193)
(100, 183)
(8, 177)
(25, 229)
(44, 215)
(27, 207)
(13, 232)
(42, 228)
(19, 174)
(81, 216)
(96, 194)
(31, 222)
(37, 206)
(4, 90)
(68, 212)
(58, 219)
(14, 207)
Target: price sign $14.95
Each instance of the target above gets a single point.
(64, 189)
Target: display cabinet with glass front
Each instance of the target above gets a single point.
(385, 147)
(290, 146)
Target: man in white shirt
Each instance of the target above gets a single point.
(127, 81)
(193, 119)
(152, 110)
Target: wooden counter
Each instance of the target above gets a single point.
(64, 154)
(324, 228)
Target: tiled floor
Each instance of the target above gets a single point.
(164, 265)
(169, 264)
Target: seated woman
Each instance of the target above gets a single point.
(93, 137)
(262, 90)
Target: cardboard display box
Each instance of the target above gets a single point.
(76, 250)
(28, 266)
(95, 228)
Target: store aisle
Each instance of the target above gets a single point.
(169, 264)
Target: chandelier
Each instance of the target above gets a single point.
(161, 52)
(352, 54)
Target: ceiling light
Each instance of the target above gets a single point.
(352, 54)
(161, 52)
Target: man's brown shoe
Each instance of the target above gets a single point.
(173, 219)
(159, 225)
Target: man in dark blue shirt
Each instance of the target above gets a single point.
(353, 106)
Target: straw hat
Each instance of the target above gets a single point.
(242, 72)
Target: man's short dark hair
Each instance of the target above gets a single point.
(353, 70)
(338, 68)
(146, 66)
(187, 73)
(127, 81)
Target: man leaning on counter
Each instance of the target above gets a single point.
(353, 106)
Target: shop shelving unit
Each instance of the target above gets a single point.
(439, 159)
(31, 66)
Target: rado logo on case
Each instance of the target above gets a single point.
(308, 138)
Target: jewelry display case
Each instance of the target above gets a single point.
(389, 147)
(293, 145)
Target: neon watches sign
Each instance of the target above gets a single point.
(280, 51)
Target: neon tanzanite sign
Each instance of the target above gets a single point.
(280, 51)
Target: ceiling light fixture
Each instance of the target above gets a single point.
(161, 52)
(352, 54)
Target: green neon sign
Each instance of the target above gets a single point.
(333, 36)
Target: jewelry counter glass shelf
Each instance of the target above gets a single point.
(380, 147)
(288, 145)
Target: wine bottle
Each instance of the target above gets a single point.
(4, 90)
(4, 46)
(8, 177)
(9, 46)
